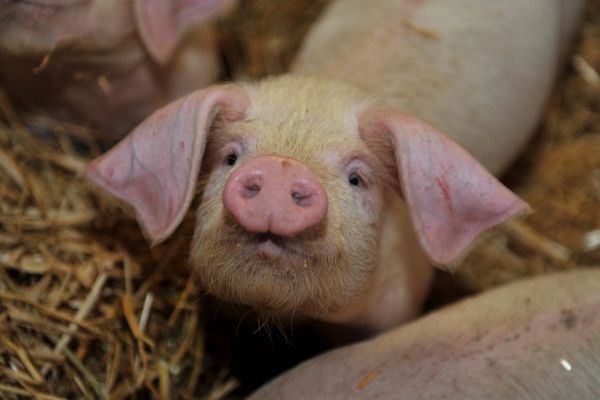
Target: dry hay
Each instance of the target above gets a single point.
(87, 311)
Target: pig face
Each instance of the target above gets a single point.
(37, 27)
(294, 176)
(328, 259)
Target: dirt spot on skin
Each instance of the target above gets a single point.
(568, 319)
(513, 338)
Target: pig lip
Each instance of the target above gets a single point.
(269, 245)
(270, 249)
(276, 248)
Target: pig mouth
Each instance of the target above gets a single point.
(269, 245)
(273, 246)
(277, 250)
(305, 273)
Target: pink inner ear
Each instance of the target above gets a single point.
(155, 168)
(161, 22)
(451, 197)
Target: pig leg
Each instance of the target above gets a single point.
(537, 339)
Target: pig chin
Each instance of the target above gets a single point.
(276, 275)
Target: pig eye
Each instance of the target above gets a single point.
(231, 159)
(355, 180)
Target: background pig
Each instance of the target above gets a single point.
(479, 70)
(108, 63)
(534, 339)
(315, 196)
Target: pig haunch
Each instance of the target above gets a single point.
(534, 339)
(297, 191)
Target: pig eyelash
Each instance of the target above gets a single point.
(232, 153)
(358, 173)
(231, 159)
(355, 180)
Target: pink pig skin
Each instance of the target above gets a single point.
(106, 63)
(534, 339)
(480, 71)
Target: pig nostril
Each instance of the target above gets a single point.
(250, 191)
(300, 199)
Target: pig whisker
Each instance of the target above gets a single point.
(266, 323)
(243, 317)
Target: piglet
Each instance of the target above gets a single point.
(317, 199)
(106, 63)
(533, 339)
(331, 201)
(480, 70)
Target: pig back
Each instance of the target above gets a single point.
(533, 339)
(478, 70)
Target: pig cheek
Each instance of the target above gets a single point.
(359, 225)
(210, 215)
(211, 184)
(367, 212)
(205, 247)
(371, 203)
(356, 222)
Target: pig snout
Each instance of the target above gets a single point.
(278, 195)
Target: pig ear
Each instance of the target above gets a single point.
(155, 167)
(161, 22)
(451, 197)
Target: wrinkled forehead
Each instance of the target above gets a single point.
(297, 115)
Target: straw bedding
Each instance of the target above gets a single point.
(87, 310)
